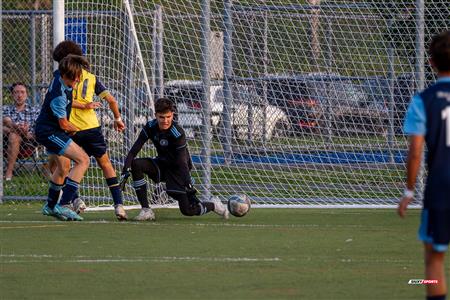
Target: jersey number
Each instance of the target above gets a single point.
(446, 116)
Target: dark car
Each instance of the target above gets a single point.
(393, 107)
(318, 102)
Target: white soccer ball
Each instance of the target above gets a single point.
(239, 205)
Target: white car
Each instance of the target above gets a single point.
(251, 118)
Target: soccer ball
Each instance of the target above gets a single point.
(239, 205)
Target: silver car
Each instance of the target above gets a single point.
(250, 117)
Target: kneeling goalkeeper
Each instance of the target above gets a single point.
(172, 165)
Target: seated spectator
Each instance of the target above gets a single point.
(18, 123)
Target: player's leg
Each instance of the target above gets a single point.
(60, 176)
(140, 167)
(61, 167)
(81, 164)
(434, 270)
(111, 178)
(185, 194)
(113, 184)
(434, 231)
(13, 149)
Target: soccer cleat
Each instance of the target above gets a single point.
(120, 212)
(65, 213)
(219, 208)
(47, 211)
(78, 205)
(145, 214)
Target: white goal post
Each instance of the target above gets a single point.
(306, 101)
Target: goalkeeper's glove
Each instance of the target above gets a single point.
(124, 178)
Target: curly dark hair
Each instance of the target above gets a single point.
(163, 105)
(65, 48)
(439, 51)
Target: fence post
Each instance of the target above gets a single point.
(58, 25)
(206, 83)
(158, 56)
(130, 67)
(227, 77)
(391, 80)
(33, 57)
(419, 71)
(1, 110)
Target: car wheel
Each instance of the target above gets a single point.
(280, 130)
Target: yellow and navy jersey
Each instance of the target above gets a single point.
(84, 93)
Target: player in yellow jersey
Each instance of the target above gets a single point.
(90, 136)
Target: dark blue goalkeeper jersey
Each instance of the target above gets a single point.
(429, 115)
(170, 145)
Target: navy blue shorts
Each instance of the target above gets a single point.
(55, 142)
(435, 228)
(92, 141)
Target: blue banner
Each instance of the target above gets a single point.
(75, 29)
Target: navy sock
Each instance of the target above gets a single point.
(53, 193)
(209, 206)
(75, 196)
(140, 187)
(439, 297)
(114, 187)
(69, 190)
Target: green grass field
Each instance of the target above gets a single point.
(269, 254)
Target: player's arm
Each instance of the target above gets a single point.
(119, 125)
(415, 127)
(67, 126)
(103, 93)
(58, 107)
(90, 105)
(414, 160)
(136, 148)
(412, 169)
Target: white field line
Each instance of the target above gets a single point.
(47, 258)
(13, 258)
(336, 206)
(58, 223)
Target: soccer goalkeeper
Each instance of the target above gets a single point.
(172, 165)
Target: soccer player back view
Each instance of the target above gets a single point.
(428, 121)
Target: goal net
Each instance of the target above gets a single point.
(306, 98)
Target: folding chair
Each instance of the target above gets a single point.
(30, 157)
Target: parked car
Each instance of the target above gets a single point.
(379, 97)
(317, 101)
(250, 117)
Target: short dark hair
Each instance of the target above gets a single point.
(163, 105)
(72, 65)
(11, 89)
(439, 51)
(65, 48)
